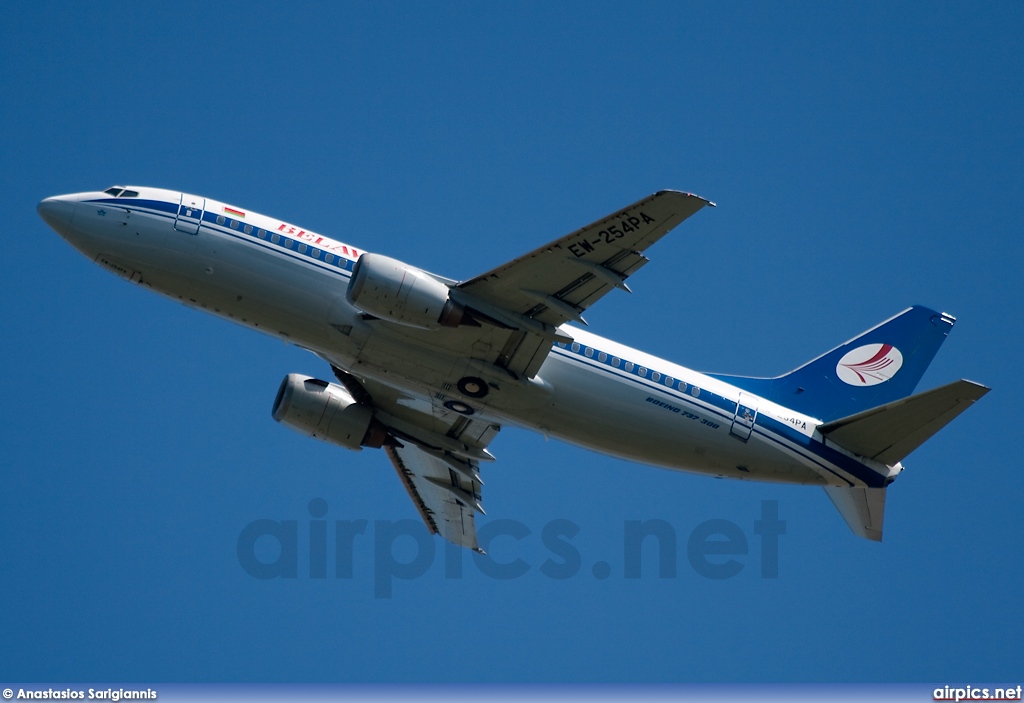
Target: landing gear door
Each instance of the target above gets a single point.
(190, 214)
(743, 420)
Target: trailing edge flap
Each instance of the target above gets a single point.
(890, 432)
(445, 500)
(862, 508)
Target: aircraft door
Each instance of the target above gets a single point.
(743, 419)
(190, 214)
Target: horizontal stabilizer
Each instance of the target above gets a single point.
(862, 508)
(890, 432)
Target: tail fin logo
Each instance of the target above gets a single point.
(869, 365)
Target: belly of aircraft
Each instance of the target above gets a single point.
(231, 279)
(294, 302)
(619, 418)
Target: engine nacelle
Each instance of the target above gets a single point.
(323, 410)
(394, 291)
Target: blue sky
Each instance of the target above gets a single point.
(864, 157)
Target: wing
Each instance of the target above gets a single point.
(513, 316)
(534, 294)
(436, 453)
(513, 312)
(447, 502)
(560, 280)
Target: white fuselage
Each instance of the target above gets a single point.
(291, 283)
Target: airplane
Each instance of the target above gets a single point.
(430, 368)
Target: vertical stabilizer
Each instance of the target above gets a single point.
(878, 366)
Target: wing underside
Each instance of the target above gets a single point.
(437, 438)
(570, 268)
(436, 453)
(446, 501)
(535, 293)
(558, 281)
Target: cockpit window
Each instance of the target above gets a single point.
(119, 192)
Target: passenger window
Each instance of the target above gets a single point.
(248, 229)
(315, 253)
(262, 234)
(602, 357)
(329, 258)
(275, 239)
(288, 243)
(615, 361)
(629, 366)
(302, 248)
(642, 371)
(589, 352)
(575, 347)
(220, 219)
(233, 224)
(669, 381)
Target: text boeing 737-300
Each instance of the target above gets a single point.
(429, 368)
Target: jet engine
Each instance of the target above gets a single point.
(394, 291)
(326, 411)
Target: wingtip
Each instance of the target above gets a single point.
(704, 200)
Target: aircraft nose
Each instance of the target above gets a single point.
(58, 213)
